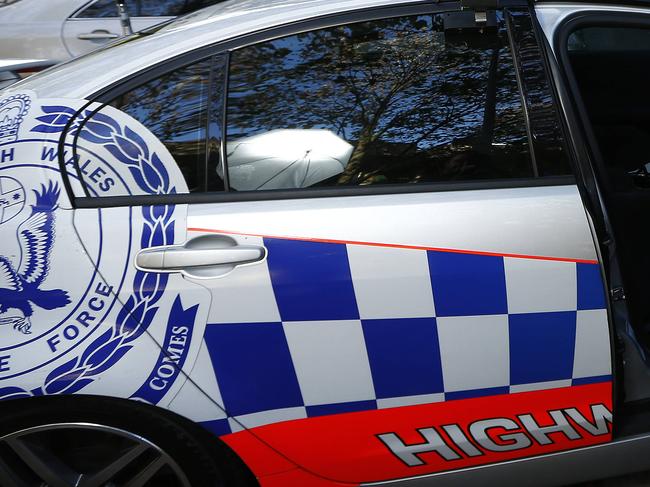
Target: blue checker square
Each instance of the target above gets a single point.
(467, 284)
(340, 408)
(490, 391)
(253, 367)
(580, 381)
(311, 280)
(591, 291)
(404, 356)
(541, 346)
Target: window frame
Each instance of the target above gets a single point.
(108, 93)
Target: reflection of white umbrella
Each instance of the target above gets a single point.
(286, 159)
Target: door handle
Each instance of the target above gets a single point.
(178, 258)
(203, 257)
(97, 35)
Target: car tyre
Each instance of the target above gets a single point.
(50, 441)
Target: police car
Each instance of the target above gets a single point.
(331, 243)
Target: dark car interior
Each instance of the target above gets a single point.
(610, 65)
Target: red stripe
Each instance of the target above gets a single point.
(345, 447)
(397, 246)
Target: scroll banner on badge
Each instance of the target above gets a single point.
(172, 356)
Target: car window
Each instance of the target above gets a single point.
(408, 100)
(99, 10)
(166, 8)
(609, 39)
(177, 109)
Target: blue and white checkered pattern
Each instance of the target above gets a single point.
(325, 328)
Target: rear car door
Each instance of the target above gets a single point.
(31, 31)
(98, 22)
(383, 267)
(91, 26)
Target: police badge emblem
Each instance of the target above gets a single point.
(70, 289)
(20, 285)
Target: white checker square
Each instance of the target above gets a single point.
(474, 351)
(592, 353)
(538, 286)
(330, 360)
(395, 402)
(391, 282)
(540, 386)
(253, 420)
(245, 295)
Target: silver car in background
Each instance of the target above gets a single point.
(35, 34)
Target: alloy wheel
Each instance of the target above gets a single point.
(85, 455)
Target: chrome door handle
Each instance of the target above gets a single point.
(178, 258)
(203, 257)
(97, 35)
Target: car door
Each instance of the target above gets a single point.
(93, 25)
(31, 31)
(98, 23)
(384, 265)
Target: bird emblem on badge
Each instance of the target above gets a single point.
(20, 288)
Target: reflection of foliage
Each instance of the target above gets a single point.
(173, 108)
(416, 103)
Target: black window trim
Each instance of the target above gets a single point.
(224, 123)
(520, 87)
(108, 93)
(343, 191)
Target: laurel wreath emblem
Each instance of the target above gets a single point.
(140, 309)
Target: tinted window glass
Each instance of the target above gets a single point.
(176, 109)
(609, 39)
(166, 8)
(407, 100)
(155, 8)
(100, 9)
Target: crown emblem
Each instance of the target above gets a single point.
(12, 113)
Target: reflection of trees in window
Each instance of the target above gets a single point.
(174, 108)
(417, 103)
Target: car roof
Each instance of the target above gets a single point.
(84, 76)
